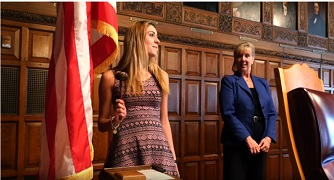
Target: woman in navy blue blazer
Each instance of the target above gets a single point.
(249, 117)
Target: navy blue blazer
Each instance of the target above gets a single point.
(237, 109)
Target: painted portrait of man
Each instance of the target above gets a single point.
(285, 15)
(317, 18)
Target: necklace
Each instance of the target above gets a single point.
(247, 80)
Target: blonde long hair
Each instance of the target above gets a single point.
(136, 58)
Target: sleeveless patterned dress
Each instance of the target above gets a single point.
(140, 139)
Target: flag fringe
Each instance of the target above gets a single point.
(107, 30)
(104, 66)
(86, 174)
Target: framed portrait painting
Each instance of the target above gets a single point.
(285, 14)
(317, 18)
(247, 10)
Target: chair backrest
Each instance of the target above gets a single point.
(312, 120)
(287, 79)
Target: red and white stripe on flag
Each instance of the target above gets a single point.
(86, 37)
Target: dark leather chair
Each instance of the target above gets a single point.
(287, 79)
(312, 121)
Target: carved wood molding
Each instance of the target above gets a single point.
(27, 17)
(154, 10)
(302, 16)
(225, 25)
(174, 13)
(268, 32)
(225, 7)
(198, 17)
(331, 21)
(267, 15)
(285, 36)
(317, 42)
(247, 27)
(331, 45)
(230, 47)
(302, 39)
(177, 13)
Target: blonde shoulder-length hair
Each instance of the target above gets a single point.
(136, 58)
(240, 49)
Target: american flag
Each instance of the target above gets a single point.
(85, 43)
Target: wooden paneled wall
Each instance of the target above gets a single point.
(196, 56)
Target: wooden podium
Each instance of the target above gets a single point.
(134, 173)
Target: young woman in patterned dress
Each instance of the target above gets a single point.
(139, 120)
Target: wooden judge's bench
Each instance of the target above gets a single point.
(135, 173)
